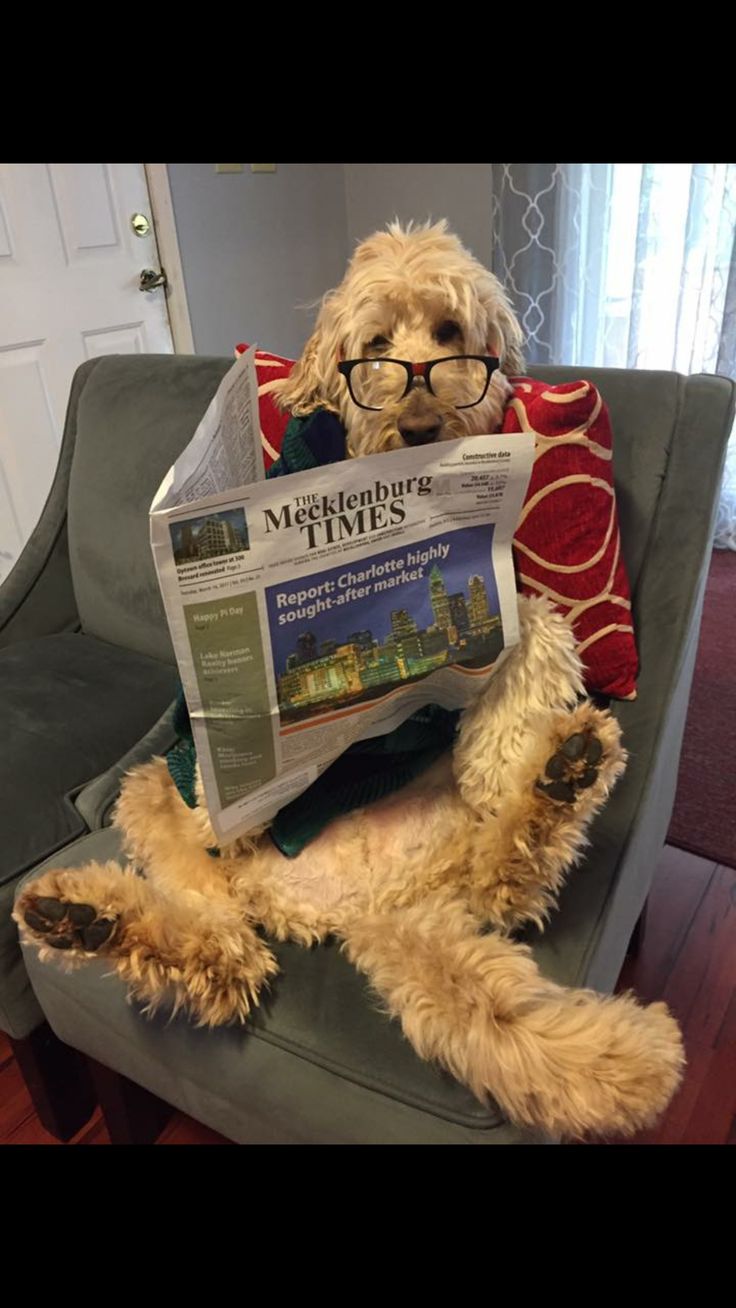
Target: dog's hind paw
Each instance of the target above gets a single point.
(573, 767)
(64, 925)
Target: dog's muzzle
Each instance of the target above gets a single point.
(420, 435)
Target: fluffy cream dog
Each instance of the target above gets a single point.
(410, 884)
(414, 295)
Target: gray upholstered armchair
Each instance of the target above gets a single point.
(86, 671)
(86, 666)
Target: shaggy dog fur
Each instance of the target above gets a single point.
(411, 884)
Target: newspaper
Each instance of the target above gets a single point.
(313, 610)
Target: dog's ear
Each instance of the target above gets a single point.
(505, 337)
(314, 382)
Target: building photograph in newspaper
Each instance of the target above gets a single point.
(352, 634)
(209, 537)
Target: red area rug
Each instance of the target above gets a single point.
(704, 818)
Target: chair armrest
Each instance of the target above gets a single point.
(95, 801)
(586, 941)
(37, 596)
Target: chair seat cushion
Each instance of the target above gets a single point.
(70, 706)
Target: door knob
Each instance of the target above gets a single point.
(150, 280)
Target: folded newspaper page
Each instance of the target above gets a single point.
(312, 610)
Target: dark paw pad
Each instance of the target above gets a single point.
(572, 768)
(52, 909)
(38, 923)
(574, 747)
(587, 778)
(81, 914)
(561, 790)
(69, 926)
(61, 942)
(98, 933)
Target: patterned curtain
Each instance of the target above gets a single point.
(624, 266)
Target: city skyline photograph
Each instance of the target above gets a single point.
(425, 606)
(470, 553)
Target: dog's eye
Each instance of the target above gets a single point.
(378, 343)
(446, 332)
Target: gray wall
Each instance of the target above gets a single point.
(256, 246)
(376, 193)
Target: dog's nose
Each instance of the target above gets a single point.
(419, 435)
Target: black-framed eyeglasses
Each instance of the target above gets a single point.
(460, 379)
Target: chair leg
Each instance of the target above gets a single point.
(637, 935)
(58, 1081)
(133, 1116)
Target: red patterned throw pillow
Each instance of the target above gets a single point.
(567, 544)
(269, 368)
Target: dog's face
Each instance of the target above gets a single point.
(411, 294)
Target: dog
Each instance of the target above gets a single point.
(414, 295)
(425, 889)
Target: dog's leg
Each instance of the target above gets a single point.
(184, 951)
(534, 766)
(571, 1062)
(514, 861)
(540, 679)
(167, 839)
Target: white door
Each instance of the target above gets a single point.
(70, 266)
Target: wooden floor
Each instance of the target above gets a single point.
(688, 958)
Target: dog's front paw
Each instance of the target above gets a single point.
(64, 925)
(573, 767)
